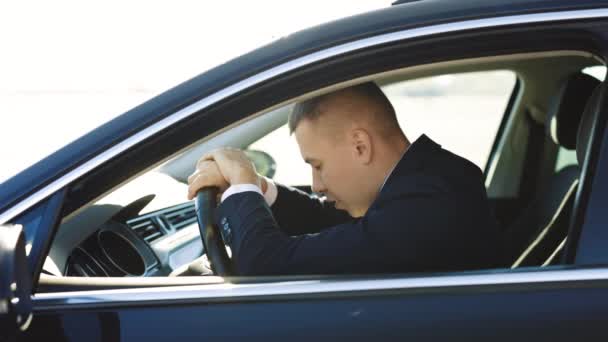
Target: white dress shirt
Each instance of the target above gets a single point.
(270, 195)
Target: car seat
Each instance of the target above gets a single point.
(533, 236)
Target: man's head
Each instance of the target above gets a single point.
(351, 139)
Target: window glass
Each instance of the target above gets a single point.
(291, 168)
(462, 112)
(598, 71)
(565, 158)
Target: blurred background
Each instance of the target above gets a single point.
(68, 66)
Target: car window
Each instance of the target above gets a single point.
(290, 167)
(462, 112)
(598, 71)
(565, 157)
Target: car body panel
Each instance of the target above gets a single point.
(501, 306)
(439, 316)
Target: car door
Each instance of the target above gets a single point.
(557, 302)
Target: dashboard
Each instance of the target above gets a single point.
(147, 245)
(111, 238)
(128, 235)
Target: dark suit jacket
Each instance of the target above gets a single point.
(431, 215)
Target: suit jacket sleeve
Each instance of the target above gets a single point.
(377, 242)
(297, 213)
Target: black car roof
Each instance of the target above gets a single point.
(395, 18)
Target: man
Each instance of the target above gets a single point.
(390, 206)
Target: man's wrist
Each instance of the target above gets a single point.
(246, 180)
(270, 193)
(239, 188)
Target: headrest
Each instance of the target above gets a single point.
(585, 128)
(566, 108)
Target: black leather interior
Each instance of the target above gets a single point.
(538, 233)
(544, 222)
(565, 109)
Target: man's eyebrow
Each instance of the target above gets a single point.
(309, 160)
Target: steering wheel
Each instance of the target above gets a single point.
(214, 246)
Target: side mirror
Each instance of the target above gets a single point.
(15, 282)
(264, 163)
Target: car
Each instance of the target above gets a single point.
(98, 241)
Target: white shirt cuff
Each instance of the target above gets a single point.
(270, 196)
(238, 188)
(271, 192)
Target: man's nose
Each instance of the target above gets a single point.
(317, 184)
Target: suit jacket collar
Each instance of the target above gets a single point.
(412, 160)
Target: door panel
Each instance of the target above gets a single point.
(556, 311)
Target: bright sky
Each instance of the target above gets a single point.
(68, 66)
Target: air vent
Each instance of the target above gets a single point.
(181, 216)
(146, 228)
(81, 264)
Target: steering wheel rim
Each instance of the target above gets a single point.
(213, 244)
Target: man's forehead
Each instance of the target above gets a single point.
(310, 140)
(306, 131)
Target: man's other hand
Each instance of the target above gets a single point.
(222, 168)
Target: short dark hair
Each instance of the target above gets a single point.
(311, 108)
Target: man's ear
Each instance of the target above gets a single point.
(362, 145)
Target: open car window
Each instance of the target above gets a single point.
(155, 228)
(462, 112)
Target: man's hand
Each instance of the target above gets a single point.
(207, 174)
(222, 168)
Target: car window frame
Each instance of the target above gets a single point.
(181, 116)
(508, 113)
